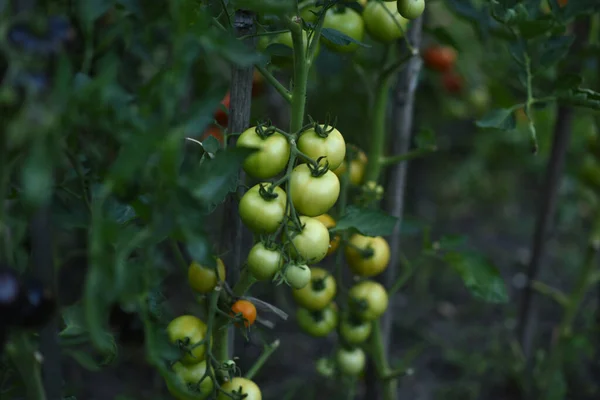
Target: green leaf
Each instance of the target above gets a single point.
(279, 50)
(200, 249)
(501, 118)
(211, 144)
(480, 277)
(339, 38)
(444, 37)
(278, 7)
(369, 222)
(231, 49)
(531, 29)
(568, 82)
(426, 138)
(553, 50)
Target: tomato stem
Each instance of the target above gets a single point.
(268, 350)
(378, 131)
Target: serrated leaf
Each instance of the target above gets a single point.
(339, 38)
(501, 118)
(480, 277)
(369, 222)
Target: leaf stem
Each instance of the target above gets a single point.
(391, 160)
(267, 352)
(287, 96)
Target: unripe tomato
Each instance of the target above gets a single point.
(439, 58)
(357, 168)
(329, 223)
(479, 99)
(383, 21)
(326, 142)
(262, 215)
(244, 388)
(351, 362)
(297, 276)
(247, 309)
(325, 367)
(348, 22)
(264, 263)
(319, 292)
(354, 331)
(203, 279)
(363, 264)
(188, 330)
(272, 155)
(318, 323)
(411, 9)
(452, 81)
(221, 116)
(372, 297)
(312, 244)
(313, 195)
(190, 377)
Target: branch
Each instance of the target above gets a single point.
(269, 349)
(287, 96)
(391, 160)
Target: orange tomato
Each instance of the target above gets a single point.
(215, 131)
(221, 116)
(258, 84)
(439, 58)
(562, 3)
(329, 223)
(247, 310)
(452, 82)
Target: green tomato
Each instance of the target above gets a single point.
(383, 21)
(351, 362)
(328, 143)
(297, 276)
(280, 60)
(479, 99)
(411, 9)
(262, 215)
(319, 293)
(313, 195)
(203, 279)
(348, 22)
(318, 323)
(242, 386)
(264, 263)
(191, 376)
(325, 367)
(308, 14)
(272, 155)
(312, 243)
(371, 300)
(354, 331)
(188, 330)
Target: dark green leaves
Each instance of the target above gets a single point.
(501, 118)
(339, 38)
(366, 221)
(278, 7)
(480, 277)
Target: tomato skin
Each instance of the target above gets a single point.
(317, 323)
(355, 332)
(375, 296)
(312, 244)
(439, 58)
(329, 223)
(221, 116)
(452, 82)
(191, 375)
(297, 276)
(381, 25)
(264, 263)
(190, 329)
(308, 15)
(270, 159)
(248, 388)
(204, 279)
(411, 9)
(313, 195)
(351, 362)
(369, 266)
(358, 166)
(347, 21)
(247, 309)
(260, 215)
(333, 147)
(319, 293)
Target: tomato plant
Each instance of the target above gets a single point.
(242, 387)
(263, 211)
(383, 22)
(452, 82)
(311, 244)
(354, 331)
(318, 323)
(193, 377)
(272, 155)
(329, 223)
(323, 141)
(222, 115)
(319, 293)
(439, 58)
(370, 298)
(314, 190)
(247, 311)
(367, 256)
(356, 171)
(297, 276)
(203, 279)
(348, 22)
(188, 332)
(264, 262)
(351, 362)
(411, 9)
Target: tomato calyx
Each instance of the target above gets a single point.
(319, 170)
(358, 305)
(319, 285)
(265, 129)
(328, 126)
(365, 253)
(267, 194)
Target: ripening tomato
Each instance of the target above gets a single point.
(188, 331)
(452, 81)
(439, 58)
(192, 378)
(264, 263)
(247, 309)
(411, 9)
(262, 214)
(312, 243)
(221, 116)
(354, 331)
(383, 21)
(325, 141)
(329, 223)
(348, 22)
(562, 3)
(351, 361)
(244, 388)
(258, 83)
(372, 298)
(313, 195)
(214, 131)
(319, 292)
(318, 323)
(272, 155)
(367, 265)
(297, 276)
(358, 165)
(203, 279)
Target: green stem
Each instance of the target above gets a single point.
(387, 161)
(275, 83)
(378, 132)
(381, 363)
(23, 356)
(530, 102)
(269, 349)
(300, 79)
